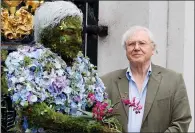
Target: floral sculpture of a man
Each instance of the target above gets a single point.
(52, 85)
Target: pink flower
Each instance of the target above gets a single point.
(99, 110)
(126, 101)
(91, 96)
(136, 106)
(110, 110)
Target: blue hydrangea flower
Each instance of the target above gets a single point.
(25, 123)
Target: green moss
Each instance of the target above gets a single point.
(27, 61)
(48, 66)
(65, 39)
(4, 54)
(4, 87)
(41, 115)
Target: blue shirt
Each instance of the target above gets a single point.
(135, 120)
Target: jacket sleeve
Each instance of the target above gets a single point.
(181, 115)
(107, 82)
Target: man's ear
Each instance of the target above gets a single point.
(154, 49)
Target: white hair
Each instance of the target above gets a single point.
(132, 30)
(51, 13)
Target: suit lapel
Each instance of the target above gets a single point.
(152, 89)
(123, 88)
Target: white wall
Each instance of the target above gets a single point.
(158, 13)
(118, 16)
(188, 64)
(176, 25)
(172, 23)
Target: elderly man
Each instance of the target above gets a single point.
(159, 92)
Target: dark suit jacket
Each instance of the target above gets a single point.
(166, 108)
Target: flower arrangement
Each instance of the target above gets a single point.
(17, 24)
(48, 95)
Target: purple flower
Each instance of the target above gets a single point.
(73, 108)
(51, 89)
(76, 99)
(41, 130)
(59, 83)
(63, 96)
(34, 130)
(105, 95)
(78, 59)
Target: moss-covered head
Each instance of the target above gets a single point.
(60, 28)
(65, 38)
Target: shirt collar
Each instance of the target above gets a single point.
(129, 73)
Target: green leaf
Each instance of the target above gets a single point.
(111, 115)
(86, 112)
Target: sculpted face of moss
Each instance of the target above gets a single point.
(65, 39)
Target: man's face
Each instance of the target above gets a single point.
(70, 39)
(64, 39)
(70, 31)
(139, 47)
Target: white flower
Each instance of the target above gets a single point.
(16, 97)
(60, 72)
(57, 64)
(10, 89)
(82, 88)
(24, 103)
(93, 79)
(29, 87)
(19, 87)
(81, 67)
(67, 90)
(88, 73)
(37, 80)
(13, 79)
(53, 73)
(21, 79)
(28, 131)
(59, 101)
(15, 55)
(33, 98)
(91, 87)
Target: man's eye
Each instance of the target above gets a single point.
(142, 43)
(130, 44)
(68, 32)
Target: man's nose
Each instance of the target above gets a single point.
(137, 46)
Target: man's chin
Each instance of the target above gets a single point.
(138, 61)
